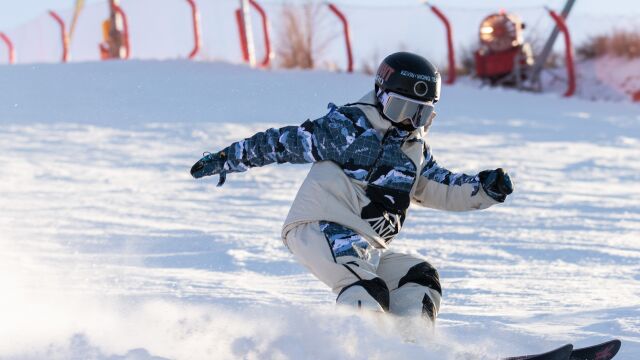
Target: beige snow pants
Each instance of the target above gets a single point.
(376, 279)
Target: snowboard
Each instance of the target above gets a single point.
(604, 351)
(561, 353)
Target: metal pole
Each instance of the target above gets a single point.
(117, 40)
(571, 74)
(544, 55)
(268, 54)
(195, 18)
(246, 21)
(125, 29)
(10, 48)
(243, 37)
(347, 36)
(63, 35)
(451, 75)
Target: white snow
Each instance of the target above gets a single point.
(607, 78)
(110, 250)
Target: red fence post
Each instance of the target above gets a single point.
(568, 51)
(347, 37)
(125, 28)
(243, 37)
(195, 15)
(266, 61)
(451, 75)
(63, 32)
(7, 41)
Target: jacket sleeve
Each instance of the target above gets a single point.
(442, 189)
(323, 139)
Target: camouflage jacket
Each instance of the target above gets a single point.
(366, 172)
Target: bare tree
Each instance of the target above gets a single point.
(301, 40)
(370, 66)
(621, 43)
(466, 58)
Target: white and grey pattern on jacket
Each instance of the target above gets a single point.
(344, 241)
(346, 137)
(433, 171)
(394, 169)
(327, 138)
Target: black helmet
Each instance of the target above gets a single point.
(409, 75)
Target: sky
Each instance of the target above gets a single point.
(17, 12)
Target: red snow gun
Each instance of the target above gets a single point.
(504, 58)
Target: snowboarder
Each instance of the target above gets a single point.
(370, 161)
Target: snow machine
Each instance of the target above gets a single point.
(503, 57)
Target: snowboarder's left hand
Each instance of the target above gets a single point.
(210, 164)
(496, 183)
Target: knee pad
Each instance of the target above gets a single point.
(423, 274)
(366, 294)
(418, 293)
(415, 300)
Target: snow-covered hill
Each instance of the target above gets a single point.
(109, 250)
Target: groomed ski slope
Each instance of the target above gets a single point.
(110, 250)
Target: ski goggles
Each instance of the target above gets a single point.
(400, 108)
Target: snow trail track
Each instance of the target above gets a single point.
(110, 250)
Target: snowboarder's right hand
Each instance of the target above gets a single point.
(210, 164)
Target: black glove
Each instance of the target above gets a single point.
(496, 183)
(210, 164)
